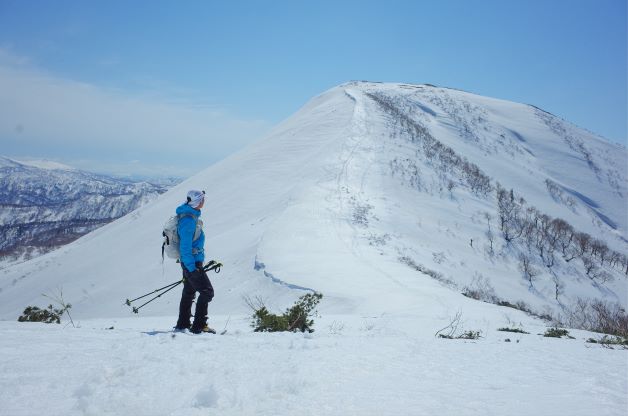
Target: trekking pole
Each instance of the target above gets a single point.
(128, 302)
(213, 265)
(172, 286)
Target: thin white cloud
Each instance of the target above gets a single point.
(39, 111)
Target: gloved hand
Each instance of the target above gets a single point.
(194, 277)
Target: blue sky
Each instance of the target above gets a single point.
(179, 74)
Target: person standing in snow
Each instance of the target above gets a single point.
(195, 279)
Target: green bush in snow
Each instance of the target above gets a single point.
(557, 333)
(516, 330)
(47, 316)
(296, 318)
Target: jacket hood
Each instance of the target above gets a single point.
(186, 209)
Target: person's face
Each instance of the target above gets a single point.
(201, 204)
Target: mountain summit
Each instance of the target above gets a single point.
(383, 197)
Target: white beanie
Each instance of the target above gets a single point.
(195, 198)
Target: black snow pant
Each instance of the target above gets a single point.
(196, 281)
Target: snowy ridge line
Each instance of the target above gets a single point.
(261, 266)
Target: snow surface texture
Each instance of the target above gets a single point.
(341, 199)
(352, 365)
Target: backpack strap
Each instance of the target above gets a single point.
(188, 215)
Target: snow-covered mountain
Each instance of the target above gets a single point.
(46, 204)
(390, 199)
(364, 194)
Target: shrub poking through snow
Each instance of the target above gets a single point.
(47, 316)
(432, 273)
(481, 289)
(464, 335)
(454, 331)
(469, 335)
(517, 330)
(557, 333)
(296, 318)
(610, 341)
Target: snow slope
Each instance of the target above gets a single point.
(317, 206)
(341, 199)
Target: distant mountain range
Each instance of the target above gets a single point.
(44, 205)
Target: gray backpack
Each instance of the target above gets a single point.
(170, 246)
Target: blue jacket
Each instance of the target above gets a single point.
(191, 251)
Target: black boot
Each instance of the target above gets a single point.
(204, 329)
